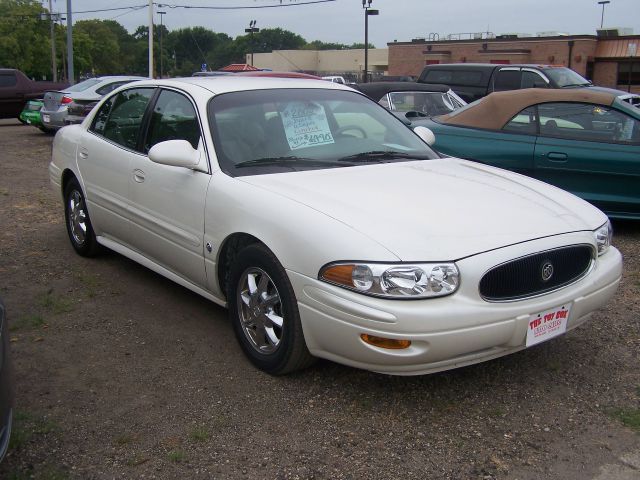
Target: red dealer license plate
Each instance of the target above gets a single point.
(547, 324)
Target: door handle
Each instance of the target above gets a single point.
(138, 175)
(83, 153)
(557, 156)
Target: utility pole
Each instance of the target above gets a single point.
(70, 77)
(162, 14)
(54, 63)
(366, 4)
(150, 38)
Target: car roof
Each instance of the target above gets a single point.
(496, 109)
(378, 90)
(234, 83)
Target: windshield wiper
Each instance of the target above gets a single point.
(288, 160)
(376, 156)
(570, 85)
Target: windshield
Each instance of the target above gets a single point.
(430, 103)
(78, 87)
(565, 77)
(267, 131)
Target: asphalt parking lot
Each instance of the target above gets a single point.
(122, 374)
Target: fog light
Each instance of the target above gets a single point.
(389, 343)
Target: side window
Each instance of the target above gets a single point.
(583, 121)
(524, 122)
(120, 118)
(507, 80)
(173, 118)
(8, 80)
(531, 80)
(384, 101)
(100, 120)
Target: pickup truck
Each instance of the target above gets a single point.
(16, 89)
(472, 81)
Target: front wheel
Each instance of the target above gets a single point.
(264, 313)
(79, 228)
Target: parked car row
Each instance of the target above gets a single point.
(473, 81)
(70, 105)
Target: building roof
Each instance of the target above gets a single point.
(496, 109)
(239, 67)
(618, 48)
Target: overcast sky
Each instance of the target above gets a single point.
(343, 20)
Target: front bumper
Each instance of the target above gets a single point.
(446, 332)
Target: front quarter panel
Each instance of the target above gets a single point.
(303, 239)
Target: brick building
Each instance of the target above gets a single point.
(607, 61)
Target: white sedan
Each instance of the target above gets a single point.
(327, 227)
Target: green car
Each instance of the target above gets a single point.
(586, 142)
(31, 114)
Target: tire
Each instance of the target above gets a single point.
(48, 131)
(264, 313)
(76, 216)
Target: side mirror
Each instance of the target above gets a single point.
(426, 135)
(539, 84)
(176, 153)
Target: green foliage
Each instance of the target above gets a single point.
(24, 38)
(105, 47)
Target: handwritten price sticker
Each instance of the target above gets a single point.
(306, 125)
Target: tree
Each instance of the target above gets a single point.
(25, 41)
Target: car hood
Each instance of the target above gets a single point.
(443, 209)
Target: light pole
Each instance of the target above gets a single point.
(603, 3)
(161, 17)
(251, 30)
(366, 4)
(54, 66)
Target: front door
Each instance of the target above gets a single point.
(166, 202)
(593, 152)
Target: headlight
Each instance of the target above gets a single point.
(603, 236)
(422, 280)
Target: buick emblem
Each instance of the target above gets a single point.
(546, 271)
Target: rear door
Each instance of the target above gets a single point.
(167, 203)
(105, 157)
(592, 151)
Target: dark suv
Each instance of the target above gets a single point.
(475, 80)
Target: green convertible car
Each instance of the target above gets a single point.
(583, 141)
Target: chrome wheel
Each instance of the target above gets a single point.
(260, 310)
(77, 217)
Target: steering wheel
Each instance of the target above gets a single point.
(347, 128)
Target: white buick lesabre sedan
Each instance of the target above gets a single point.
(327, 227)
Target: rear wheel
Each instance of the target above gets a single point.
(79, 227)
(264, 313)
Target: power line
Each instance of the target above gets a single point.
(311, 2)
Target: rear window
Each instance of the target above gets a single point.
(79, 87)
(454, 77)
